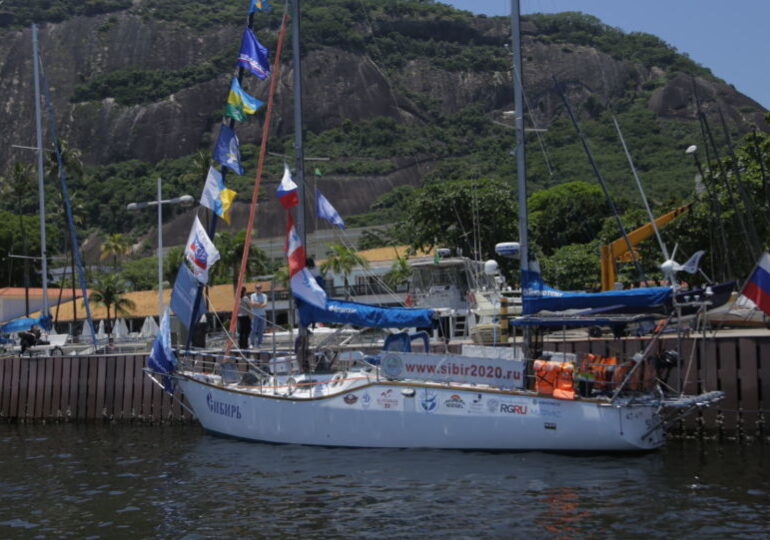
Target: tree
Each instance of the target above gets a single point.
(108, 291)
(448, 213)
(230, 248)
(342, 259)
(400, 272)
(571, 213)
(573, 267)
(115, 244)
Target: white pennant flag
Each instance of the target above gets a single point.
(200, 252)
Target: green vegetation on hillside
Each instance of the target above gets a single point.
(19, 13)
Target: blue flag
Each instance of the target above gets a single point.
(183, 297)
(253, 55)
(227, 151)
(258, 5)
(162, 360)
(325, 210)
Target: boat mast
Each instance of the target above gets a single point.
(299, 156)
(521, 164)
(40, 184)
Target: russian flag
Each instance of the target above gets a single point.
(757, 288)
(303, 284)
(287, 189)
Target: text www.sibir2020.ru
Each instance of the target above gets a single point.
(471, 370)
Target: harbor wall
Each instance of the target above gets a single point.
(114, 388)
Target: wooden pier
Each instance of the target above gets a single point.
(114, 388)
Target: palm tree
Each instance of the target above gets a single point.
(342, 259)
(399, 273)
(108, 291)
(71, 158)
(230, 248)
(114, 245)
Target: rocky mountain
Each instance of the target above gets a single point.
(417, 66)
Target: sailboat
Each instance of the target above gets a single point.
(405, 396)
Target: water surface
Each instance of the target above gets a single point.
(80, 481)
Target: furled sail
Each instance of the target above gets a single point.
(540, 297)
(341, 312)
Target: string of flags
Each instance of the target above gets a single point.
(200, 252)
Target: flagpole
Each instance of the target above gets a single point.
(212, 230)
(40, 184)
(257, 180)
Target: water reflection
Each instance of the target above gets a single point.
(107, 481)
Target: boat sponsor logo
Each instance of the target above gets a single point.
(222, 408)
(454, 402)
(548, 408)
(549, 425)
(492, 405)
(388, 400)
(366, 400)
(392, 366)
(476, 405)
(429, 401)
(513, 408)
(350, 399)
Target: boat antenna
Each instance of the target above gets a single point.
(600, 178)
(641, 189)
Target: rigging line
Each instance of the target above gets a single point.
(599, 177)
(641, 189)
(753, 250)
(258, 178)
(65, 195)
(540, 138)
(342, 236)
(739, 182)
(759, 156)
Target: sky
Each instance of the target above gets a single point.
(730, 38)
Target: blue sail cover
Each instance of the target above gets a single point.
(357, 314)
(25, 323)
(540, 297)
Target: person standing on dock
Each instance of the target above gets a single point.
(244, 320)
(258, 314)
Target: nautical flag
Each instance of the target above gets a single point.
(757, 288)
(217, 196)
(227, 151)
(239, 103)
(287, 189)
(200, 252)
(325, 210)
(303, 284)
(253, 55)
(162, 359)
(258, 5)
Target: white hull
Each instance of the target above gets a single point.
(378, 414)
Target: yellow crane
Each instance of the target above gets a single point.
(618, 250)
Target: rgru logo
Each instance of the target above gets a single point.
(225, 409)
(513, 409)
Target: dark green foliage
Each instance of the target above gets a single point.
(582, 29)
(132, 87)
(566, 214)
(18, 13)
(13, 230)
(573, 267)
(457, 213)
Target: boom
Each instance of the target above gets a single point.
(618, 250)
